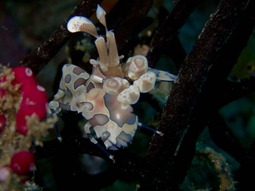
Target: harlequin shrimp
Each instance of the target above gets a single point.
(105, 96)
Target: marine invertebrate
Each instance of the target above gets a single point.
(23, 120)
(105, 96)
(22, 162)
(34, 99)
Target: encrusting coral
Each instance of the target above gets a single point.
(23, 122)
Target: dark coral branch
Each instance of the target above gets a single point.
(229, 89)
(40, 56)
(168, 30)
(169, 156)
(229, 56)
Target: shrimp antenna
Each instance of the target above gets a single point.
(150, 129)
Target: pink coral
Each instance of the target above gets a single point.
(23, 118)
(22, 162)
(23, 76)
(34, 97)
